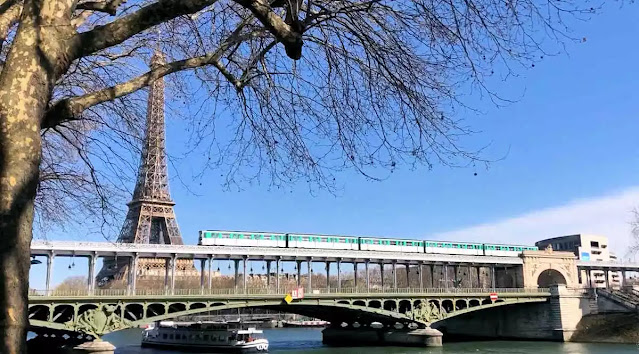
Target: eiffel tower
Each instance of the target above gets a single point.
(151, 217)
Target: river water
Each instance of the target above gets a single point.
(309, 341)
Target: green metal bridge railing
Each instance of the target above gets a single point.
(266, 291)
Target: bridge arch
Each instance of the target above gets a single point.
(548, 277)
(78, 316)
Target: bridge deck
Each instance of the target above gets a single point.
(68, 248)
(36, 295)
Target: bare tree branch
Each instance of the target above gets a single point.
(118, 31)
(107, 6)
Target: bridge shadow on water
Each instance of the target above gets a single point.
(309, 341)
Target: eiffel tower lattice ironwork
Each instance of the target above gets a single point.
(151, 217)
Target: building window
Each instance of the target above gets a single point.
(594, 244)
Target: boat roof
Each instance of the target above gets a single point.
(249, 331)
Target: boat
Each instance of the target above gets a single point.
(316, 323)
(211, 337)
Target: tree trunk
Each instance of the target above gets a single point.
(19, 170)
(26, 82)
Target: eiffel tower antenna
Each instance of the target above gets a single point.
(151, 217)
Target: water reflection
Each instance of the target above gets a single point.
(309, 341)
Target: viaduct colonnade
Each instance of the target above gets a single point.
(414, 275)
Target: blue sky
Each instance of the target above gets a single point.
(571, 135)
(571, 163)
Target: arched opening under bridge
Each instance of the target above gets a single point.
(550, 277)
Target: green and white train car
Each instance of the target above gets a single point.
(268, 239)
(448, 247)
(391, 245)
(236, 238)
(320, 241)
(491, 249)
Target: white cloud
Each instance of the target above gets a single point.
(607, 216)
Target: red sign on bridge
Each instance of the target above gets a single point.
(297, 293)
(493, 296)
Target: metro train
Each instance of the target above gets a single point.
(262, 239)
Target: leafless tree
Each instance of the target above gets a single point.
(633, 250)
(301, 89)
(74, 283)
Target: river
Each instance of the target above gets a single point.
(302, 340)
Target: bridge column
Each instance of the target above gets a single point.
(588, 280)
(339, 279)
(355, 274)
(394, 269)
(299, 272)
(50, 259)
(129, 277)
(606, 278)
(167, 266)
(623, 278)
(210, 260)
(277, 275)
(91, 279)
(236, 262)
(421, 276)
(244, 277)
(492, 276)
(310, 275)
(328, 275)
(407, 275)
(202, 271)
(268, 275)
(455, 275)
(368, 279)
(133, 271)
(381, 270)
(173, 265)
(432, 277)
(446, 276)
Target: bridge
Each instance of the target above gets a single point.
(77, 311)
(438, 287)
